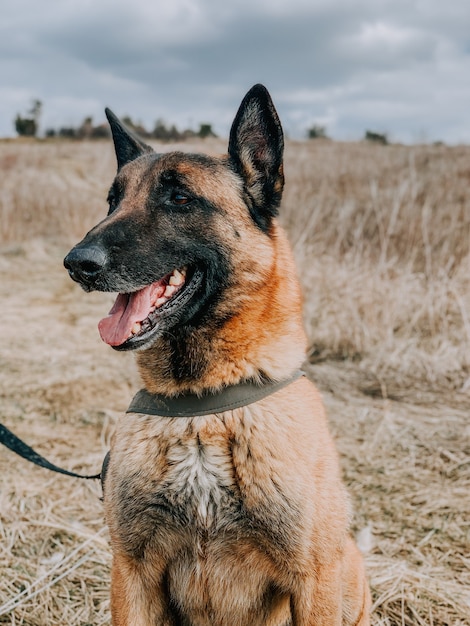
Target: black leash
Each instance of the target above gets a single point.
(15, 444)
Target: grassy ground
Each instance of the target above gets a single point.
(382, 239)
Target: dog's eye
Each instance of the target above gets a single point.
(111, 200)
(180, 198)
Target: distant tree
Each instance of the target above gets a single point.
(35, 111)
(188, 133)
(68, 132)
(162, 132)
(136, 127)
(205, 130)
(376, 137)
(28, 126)
(100, 132)
(128, 121)
(317, 132)
(25, 126)
(142, 131)
(88, 131)
(86, 128)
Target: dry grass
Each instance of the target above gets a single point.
(382, 238)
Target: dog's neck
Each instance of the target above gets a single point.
(265, 338)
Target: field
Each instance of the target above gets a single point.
(382, 240)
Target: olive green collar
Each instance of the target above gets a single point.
(191, 405)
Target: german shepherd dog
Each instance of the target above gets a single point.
(238, 517)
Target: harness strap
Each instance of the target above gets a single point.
(15, 444)
(192, 405)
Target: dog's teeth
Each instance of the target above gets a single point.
(183, 271)
(176, 278)
(136, 328)
(170, 290)
(159, 302)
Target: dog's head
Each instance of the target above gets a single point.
(182, 227)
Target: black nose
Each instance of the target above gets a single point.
(85, 264)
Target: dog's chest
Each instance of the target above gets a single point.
(178, 482)
(170, 478)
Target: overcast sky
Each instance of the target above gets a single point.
(399, 66)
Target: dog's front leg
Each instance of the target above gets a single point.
(317, 600)
(133, 602)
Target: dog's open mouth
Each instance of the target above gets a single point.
(134, 317)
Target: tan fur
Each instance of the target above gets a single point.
(288, 559)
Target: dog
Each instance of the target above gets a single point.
(236, 516)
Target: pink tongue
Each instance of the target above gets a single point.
(128, 309)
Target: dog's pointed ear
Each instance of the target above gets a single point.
(256, 148)
(127, 145)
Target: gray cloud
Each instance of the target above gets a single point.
(401, 66)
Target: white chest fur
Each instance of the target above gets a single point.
(199, 472)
